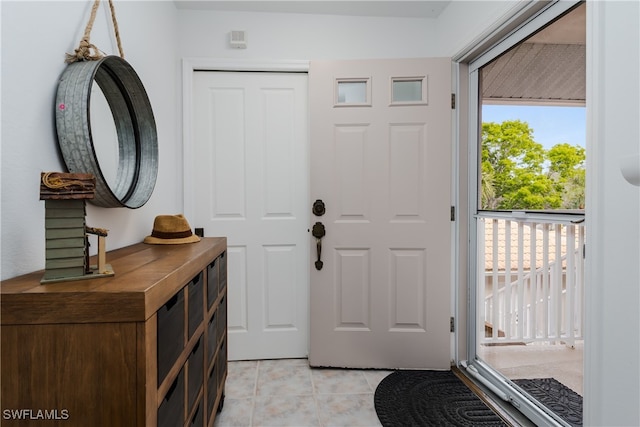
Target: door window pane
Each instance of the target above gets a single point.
(407, 91)
(355, 92)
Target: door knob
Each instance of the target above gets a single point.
(318, 232)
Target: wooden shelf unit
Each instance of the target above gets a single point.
(146, 347)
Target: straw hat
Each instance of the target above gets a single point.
(171, 230)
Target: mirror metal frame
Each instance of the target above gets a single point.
(135, 128)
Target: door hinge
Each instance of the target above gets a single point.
(453, 101)
(453, 213)
(452, 325)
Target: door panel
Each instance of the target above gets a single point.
(383, 169)
(406, 172)
(353, 266)
(251, 166)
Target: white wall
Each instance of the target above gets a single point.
(463, 22)
(35, 37)
(612, 347)
(304, 37)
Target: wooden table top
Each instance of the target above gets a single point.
(146, 276)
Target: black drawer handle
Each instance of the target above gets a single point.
(172, 301)
(196, 279)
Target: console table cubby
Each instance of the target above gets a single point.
(146, 347)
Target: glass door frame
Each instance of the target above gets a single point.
(521, 25)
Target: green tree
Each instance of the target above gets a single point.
(567, 170)
(518, 173)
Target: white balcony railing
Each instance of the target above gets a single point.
(531, 278)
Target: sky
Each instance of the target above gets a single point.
(551, 125)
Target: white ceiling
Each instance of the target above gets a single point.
(391, 8)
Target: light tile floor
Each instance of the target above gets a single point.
(289, 393)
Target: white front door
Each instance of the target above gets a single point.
(381, 163)
(251, 168)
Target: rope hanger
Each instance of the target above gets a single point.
(84, 50)
(55, 183)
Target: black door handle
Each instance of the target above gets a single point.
(318, 232)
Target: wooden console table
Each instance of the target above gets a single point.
(146, 347)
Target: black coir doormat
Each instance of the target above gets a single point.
(430, 398)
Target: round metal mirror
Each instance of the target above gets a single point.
(85, 132)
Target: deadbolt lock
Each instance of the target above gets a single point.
(318, 208)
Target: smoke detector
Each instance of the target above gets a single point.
(238, 39)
